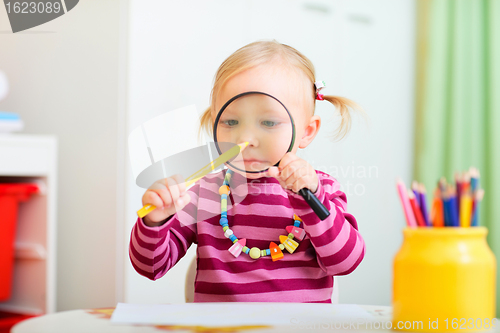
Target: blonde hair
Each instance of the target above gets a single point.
(262, 52)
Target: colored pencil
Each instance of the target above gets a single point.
(454, 204)
(442, 185)
(432, 214)
(416, 209)
(410, 217)
(423, 204)
(446, 209)
(453, 207)
(479, 197)
(223, 158)
(458, 186)
(474, 185)
(474, 179)
(465, 209)
(437, 213)
(415, 190)
(465, 183)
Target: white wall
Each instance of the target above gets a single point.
(363, 49)
(65, 80)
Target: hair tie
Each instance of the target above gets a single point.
(319, 85)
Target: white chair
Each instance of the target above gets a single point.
(191, 275)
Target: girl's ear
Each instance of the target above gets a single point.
(310, 131)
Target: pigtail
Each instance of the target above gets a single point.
(345, 106)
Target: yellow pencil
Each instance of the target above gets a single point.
(465, 209)
(232, 152)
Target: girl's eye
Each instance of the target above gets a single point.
(269, 123)
(230, 122)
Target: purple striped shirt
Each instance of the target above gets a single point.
(258, 210)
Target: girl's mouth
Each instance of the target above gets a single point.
(251, 163)
(245, 160)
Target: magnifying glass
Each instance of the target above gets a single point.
(267, 124)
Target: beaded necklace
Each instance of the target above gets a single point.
(239, 245)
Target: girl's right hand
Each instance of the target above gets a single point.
(169, 195)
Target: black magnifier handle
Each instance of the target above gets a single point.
(314, 203)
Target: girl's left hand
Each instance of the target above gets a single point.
(294, 174)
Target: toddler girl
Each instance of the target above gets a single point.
(285, 253)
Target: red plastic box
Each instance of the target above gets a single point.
(10, 196)
(8, 320)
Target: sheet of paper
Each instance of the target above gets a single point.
(232, 314)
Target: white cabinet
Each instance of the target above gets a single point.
(32, 158)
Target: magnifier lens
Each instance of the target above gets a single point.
(264, 122)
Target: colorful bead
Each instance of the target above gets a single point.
(255, 253)
(237, 247)
(224, 189)
(275, 251)
(290, 244)
(299, 233)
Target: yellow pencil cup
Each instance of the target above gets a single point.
(444, 280)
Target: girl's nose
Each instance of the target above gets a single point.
(249, 135)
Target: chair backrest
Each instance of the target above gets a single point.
(191, 275)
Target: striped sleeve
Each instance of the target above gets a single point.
(337, 241)
(154, 250)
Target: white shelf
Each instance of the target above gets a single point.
(33, 159)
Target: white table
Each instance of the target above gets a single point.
(98, 321)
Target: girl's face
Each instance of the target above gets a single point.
(251, 118)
